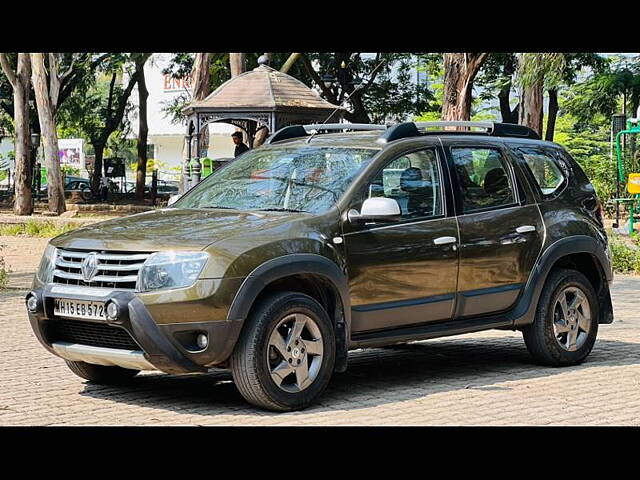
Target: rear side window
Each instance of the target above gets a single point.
(544, 168)
(483, 177)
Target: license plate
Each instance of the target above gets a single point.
(64, 307)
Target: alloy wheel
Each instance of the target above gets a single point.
(295, 352)
(571, 318)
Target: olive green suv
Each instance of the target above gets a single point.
(322, 241)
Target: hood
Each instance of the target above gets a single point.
(170, 229)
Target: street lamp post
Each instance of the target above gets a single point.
(35, 165)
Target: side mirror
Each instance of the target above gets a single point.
(376, 209)
(173, 199)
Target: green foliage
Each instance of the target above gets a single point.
(590, 147)
(625, 254)
(4, 272)
(545, 67)
(34, 228)
(603, 92)
(70, 171)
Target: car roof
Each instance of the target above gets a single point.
(369, 139)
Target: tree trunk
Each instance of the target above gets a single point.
(508, 115)
(97, 166)
(46, 114)
(552, 115)
(238, 64)
(143, 129)
(23, 204)
(530, 113)
(200, 76)
(261, 136)
(460, 69)
(293, 58)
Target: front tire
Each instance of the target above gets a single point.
(285, 356)
(566, 323)
(102, 374)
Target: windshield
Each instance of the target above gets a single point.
(307, 179)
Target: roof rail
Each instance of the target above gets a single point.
(295, 131)
(494, 129)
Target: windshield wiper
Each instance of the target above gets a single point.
(217, 206)
(279, 209)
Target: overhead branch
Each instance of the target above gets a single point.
(293, 58)
(316, 78)
(6, 68)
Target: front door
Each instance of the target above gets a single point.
(501, 233)
(404, 273)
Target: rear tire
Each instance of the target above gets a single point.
(285, 356)
(564, 331)
(102, 374)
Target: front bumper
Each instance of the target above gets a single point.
(164, 347)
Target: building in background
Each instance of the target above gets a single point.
(166, 138)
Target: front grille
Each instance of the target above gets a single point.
(89, 333)
(114, 270)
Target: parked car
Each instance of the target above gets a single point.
(312, 245)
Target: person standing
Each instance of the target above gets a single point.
(240, 146)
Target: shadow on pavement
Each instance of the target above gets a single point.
(375, 377)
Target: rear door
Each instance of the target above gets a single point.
(501, 229)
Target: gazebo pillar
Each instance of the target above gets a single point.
(196, 167)
(186, 171)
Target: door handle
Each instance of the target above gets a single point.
(525, 229)
(445, 240)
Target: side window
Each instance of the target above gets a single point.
(414, 181)
(544, 168)
(484, 178)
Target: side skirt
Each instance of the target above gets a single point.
(423, 332)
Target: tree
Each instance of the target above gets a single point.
(143, 127)
(47, 90)
(535, 72)
(20, 83)
(98, 108)
(496, 79)
(460, 69)
(238, 63)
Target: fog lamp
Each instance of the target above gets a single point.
(112, 311)
(32, 303)
(202, 340)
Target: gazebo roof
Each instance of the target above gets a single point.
(262, 88)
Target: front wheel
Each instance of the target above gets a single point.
(286, 353)
(566, 323)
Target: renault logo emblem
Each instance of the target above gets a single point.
(89, 266)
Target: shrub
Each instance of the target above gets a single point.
(625, 255)
(4, 272)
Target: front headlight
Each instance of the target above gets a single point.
(47, 264)
(171, 270)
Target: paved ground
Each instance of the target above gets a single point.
(484, 378)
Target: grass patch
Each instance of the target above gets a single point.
(34, 228)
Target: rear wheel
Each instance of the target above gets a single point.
(566, 322)
(101, 374)
(285, 356)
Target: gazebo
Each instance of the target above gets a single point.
(262, 98)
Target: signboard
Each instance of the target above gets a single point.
(170, 84)
(71, 153)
